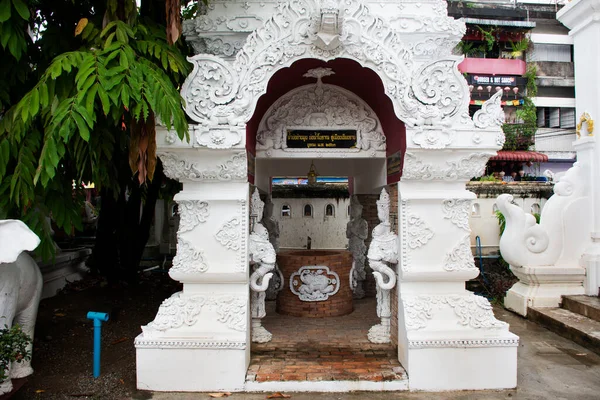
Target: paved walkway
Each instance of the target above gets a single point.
(550, 367)
(324, 349)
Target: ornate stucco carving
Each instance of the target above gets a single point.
(418, 232)
(188, 259)
(262, 259)
(181, 169)
(470, 310)
(491, 113)
(357, 230)
(218, 137)
(458, 211)
(383, 250)
(224, 92)
(179, 310)
(460, 258)
(465, 168)
(230, 234)
(191, 214)
(314, 283)
(320, 106)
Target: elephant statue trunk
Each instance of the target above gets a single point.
(20, 289)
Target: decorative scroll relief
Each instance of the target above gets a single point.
(418, 232)
(458, 211)
(471, 310)
(230, 234)
(463, 169)
(182, 169)
(419, 23)
(432, 137)
(440, 93)
(491, 113)
(462, 343)
(143, 343)
(188, 260)
(191, 214)
(287, 36)
(323, 106)
(218, 137)
(314, 283)
(460, 258)
(178, 311)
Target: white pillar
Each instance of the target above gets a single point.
(446, 333)
(583, 18)
(200, 338)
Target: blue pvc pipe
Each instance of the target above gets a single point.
(98, 317)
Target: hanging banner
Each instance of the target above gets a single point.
(321, 139)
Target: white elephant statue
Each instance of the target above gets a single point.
(20, 288)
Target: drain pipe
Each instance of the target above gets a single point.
(98, 318)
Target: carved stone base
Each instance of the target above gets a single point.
(446, 338)
(543, 287)
(222, 365)
(456, 364)
(380, 333)
(259, 333)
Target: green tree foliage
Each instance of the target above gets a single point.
(87, 78)
(521, 136)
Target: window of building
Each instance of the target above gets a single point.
(308, 210)
(329, 210)
(286, 211)
(555, 117)
(535, 208)
(475, 210)
(550, 52)
(348, 210)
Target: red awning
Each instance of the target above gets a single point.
(523, 156)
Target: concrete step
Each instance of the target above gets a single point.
(588, 306)
(581, 330)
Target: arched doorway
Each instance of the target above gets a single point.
(199, 339)
(318, 121)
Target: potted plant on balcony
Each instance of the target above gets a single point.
(519, 48)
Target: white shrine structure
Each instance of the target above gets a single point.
(268, 75)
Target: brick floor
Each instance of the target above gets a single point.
(323, 349)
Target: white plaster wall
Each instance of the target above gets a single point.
(325, 232)
(485, 224)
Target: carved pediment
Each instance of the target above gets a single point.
(320, 106)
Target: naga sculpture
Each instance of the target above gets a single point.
(546, 256)
(262, 260)
(20, 289)
(383, 250)
(276, 284)
(561, 235)
(357, 231)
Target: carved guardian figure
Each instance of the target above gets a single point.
(383, 250)
(357, 231)
(262, 260)
(20, 288)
